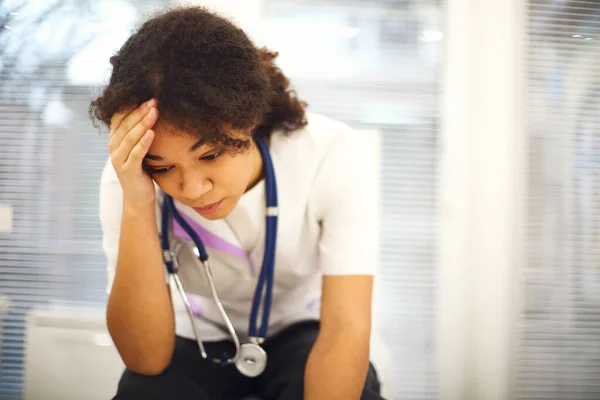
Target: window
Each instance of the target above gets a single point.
(51, 158)
(373, 65)
(559, 355)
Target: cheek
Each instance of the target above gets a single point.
(231, 175)
(236, 175)
(165, 184)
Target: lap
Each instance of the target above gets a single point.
(188, 377)
(191, 377)
(288, 352)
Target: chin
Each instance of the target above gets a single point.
(215, 216)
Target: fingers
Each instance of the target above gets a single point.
(117, 118)
(120, 151)
(139, 151)
(121, 123)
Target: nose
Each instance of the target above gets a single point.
(194, 185)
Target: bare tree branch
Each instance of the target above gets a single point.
(36, 46)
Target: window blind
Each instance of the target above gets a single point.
(381, 72)
(559, 351)
(51, 158)
(374, 66)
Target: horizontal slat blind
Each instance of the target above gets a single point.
(376, 67)
(54, 252)
(387, 80)
(559, 354)
(51, 158)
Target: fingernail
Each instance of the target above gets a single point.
(152, 103)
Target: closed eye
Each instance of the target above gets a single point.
(163, 170)
(211, 157)
(160, 170)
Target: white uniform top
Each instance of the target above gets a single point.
(326, 185)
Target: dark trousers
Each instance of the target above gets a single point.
(189, 377)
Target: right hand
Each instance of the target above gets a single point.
(131, 136)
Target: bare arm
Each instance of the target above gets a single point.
(339, 360)
(139, 313)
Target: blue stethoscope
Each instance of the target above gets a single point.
(250, 358)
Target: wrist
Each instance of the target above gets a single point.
(139, 210)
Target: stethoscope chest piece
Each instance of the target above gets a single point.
(252, 360)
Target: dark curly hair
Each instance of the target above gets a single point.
(207, 75)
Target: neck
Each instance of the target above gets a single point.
(257, 171)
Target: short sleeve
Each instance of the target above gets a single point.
(346, 190)
(111, 209)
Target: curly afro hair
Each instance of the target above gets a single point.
(207, 75)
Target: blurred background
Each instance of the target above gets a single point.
(406, 69)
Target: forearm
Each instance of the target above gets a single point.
(337, 366)
(139, 313)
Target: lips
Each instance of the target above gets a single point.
(207, 206)
(208, 209)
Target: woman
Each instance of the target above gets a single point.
(197, 116)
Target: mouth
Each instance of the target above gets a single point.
(208, 209)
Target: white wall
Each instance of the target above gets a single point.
(246, 14)
(482, 197)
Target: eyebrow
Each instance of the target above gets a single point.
(199, 143)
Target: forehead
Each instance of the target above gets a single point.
(170, 136)
(169, 146)
(164, 129)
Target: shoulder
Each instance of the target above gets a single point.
(322, 139)
(329, 159)
(111, 197)
(340, 148)
(109, 175)
(325, 132)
